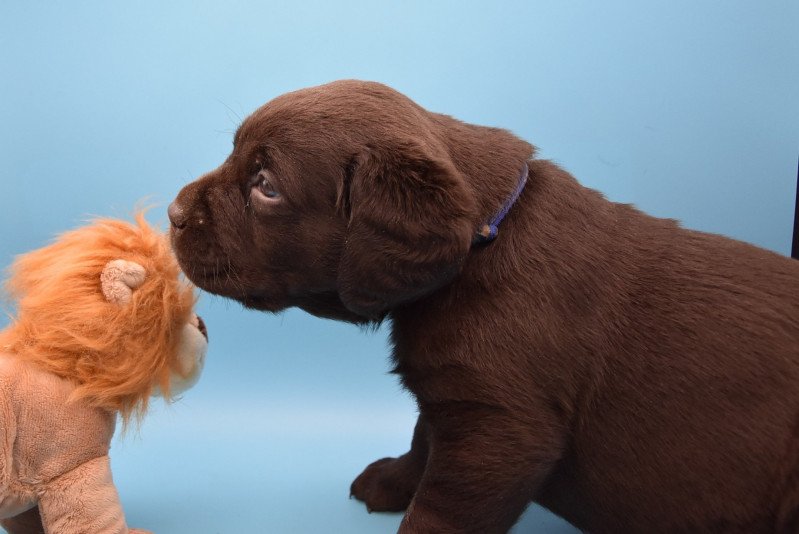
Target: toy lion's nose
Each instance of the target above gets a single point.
(201, 327)
(177, 215)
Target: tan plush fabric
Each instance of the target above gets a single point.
(54, 453)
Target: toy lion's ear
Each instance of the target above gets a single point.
(119, 278)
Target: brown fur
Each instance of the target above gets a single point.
(628, 374)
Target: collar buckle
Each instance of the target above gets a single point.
(488, 232)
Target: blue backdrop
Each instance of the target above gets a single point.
(686, 108)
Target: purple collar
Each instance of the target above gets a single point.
(488, 232)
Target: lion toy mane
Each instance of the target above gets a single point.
(103, 322)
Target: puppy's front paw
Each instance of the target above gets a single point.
(387, 485)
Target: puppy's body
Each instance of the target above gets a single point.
(653, 370)
(630, 375)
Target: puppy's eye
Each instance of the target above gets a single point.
(267, 189)
(264, 186)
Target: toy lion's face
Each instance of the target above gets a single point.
(105, 306)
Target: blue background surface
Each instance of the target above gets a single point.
(686, 108)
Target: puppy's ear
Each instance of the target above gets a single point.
(410, 227)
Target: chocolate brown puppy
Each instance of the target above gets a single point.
(628, 374)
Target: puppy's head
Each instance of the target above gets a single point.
(340, 199)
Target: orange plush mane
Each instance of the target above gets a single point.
(115, 354)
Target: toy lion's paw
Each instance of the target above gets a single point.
(387, 485)
(138, 531)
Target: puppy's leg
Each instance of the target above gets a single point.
(484, 468)
(388, 485)
(28, 522)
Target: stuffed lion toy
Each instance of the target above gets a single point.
(103, 322)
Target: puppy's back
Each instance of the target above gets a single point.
(694, 416)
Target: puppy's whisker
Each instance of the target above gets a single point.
(233, 111)
(232, 277)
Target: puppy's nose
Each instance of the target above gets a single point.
(177, 215)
